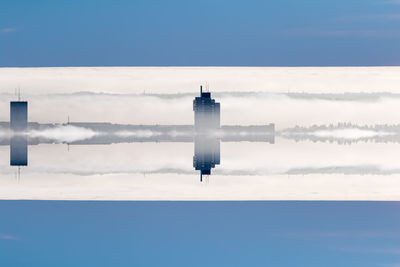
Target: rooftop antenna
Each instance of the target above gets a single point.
(19, 93)
(201, 90)
(206, 178)
(68, 120)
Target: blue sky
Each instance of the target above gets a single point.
(62, 233)
(199, 33)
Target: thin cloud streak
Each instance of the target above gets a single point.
(6, 236)
(387, 250)
(343, 33)
(363, 234)
(7, 30)
(361, 17)
(392, 2)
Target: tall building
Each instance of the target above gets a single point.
(18, 115)
(206, 112)
(206, 145)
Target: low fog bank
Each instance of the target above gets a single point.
(107, 133)
(187, 79)
(285, 110)
(188, 187)
(237, 158)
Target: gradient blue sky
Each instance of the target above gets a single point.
(62, 233)
(198, 33)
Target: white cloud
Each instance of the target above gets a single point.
(66, 133)
(349, 134)
(139, 133)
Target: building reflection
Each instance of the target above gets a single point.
(206, 154)
(18, 151)
(18, 140)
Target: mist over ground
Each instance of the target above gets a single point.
(163, 95)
